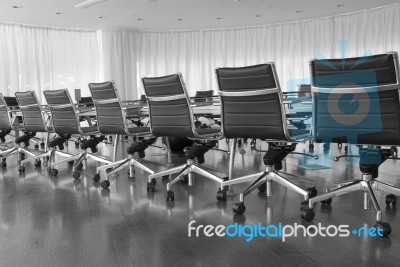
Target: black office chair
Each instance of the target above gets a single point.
(367, 88)
(34, 121)
(171, 116)
(111, 120)
(252, 107)
(65, 122)
(10, 121)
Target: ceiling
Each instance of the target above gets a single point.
(175, 14)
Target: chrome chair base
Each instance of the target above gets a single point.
(263, 181)
(114, 167)
(187, 169)
(367, 185)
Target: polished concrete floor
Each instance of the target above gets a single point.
(59, 221)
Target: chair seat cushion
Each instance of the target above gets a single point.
(139, 130)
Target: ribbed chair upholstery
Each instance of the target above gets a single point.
(65, 122)
(356, 101)
(252, 107)
(9, 105)
(111, 119)
(171, 116)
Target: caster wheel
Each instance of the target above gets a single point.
(3, 164)
(386, 228)
(150, 186)
(36, 146)
(339, 145)
(21, 169)
(77, 144)
(307, 214)
(312, 192)
(346, 149)
(262, 188)
(303, 205)
(71, 162)
(79, 166)
(327, 146)
(327, 201)
(53, 172)
(253, 144)
(185, 179)
(37, 163)
(96, 177)
(42, 145)
(391, 199)
(311, 147)
(239, 208)
(170, 196)
(105, 184)
(76, 175)
(336, 159)
(221, 195)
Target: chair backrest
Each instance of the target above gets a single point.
(31, 111)
(251, 101)
(169, 106)
(203, 96)
(63, 114)
(356, 100)
(5, 123)
(110, 118)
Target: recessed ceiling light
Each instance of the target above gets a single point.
(257, 16)
(140, 19)
(219, 18)
(59, 13)
(236, 1)
(180, 19)
(101, 17)
(340, 5)
(16, 6)
(299, 11)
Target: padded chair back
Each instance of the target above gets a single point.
(62, 110)
(110, 118)
(5, 123)
(203, 96)
(31, 111)
(251, 102)
(356, 100)
(170, 113)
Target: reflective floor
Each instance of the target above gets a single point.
(59, 221)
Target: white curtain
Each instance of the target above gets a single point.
(120, 61)
(38, 58)
(290, 45)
